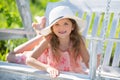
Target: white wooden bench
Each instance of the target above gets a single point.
(93, 11)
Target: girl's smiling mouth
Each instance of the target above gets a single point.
(62, 32)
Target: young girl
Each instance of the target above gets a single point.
(64, 48)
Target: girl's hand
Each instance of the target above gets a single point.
(52, 71)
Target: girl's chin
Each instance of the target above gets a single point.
(62, 37)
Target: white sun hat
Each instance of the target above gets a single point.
(59, 13)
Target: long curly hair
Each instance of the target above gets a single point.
(76, 40)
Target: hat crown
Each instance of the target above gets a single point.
(59, 12)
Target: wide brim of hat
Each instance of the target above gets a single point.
(80, 22)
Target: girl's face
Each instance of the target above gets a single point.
(62, 28)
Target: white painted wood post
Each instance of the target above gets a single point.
(93, 59)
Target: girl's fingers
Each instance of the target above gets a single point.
(41, 21)
(54, 73)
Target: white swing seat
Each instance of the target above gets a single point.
(93, 11)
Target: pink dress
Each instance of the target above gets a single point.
(66, 63)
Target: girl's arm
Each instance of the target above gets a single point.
(32, 59)
(29, 45)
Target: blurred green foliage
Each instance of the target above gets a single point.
(9, 15)
(10, 18)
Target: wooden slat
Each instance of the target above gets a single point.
(95, 25)
(116, 58)
(6, 34)
(93, 59)
(110, 44)
(88, 19)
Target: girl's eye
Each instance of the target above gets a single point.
(65, 23)
(56, 24)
